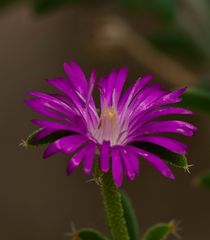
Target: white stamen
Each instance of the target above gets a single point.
(108, 128)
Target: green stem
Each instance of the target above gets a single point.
(113, 208)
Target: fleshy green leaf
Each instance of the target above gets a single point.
(91, 234)
(30, 141)
(160, 231)
(130, 217)
(197, 99)
(174, 159)
(204, 179)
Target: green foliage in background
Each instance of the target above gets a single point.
(175, 41)
(42, 6)
(204, 179)
(89, 234)
(130, 217)
(170, 157)
(30, 141)
(5, 3)
(174, 159)
(197, 99)
(165, 8)
(160, 231)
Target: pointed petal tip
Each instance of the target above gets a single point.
(124, 70)
(27, 102)
(93, 75)
(65, 65)
(28, 92)
(169, 175)
(49, 151)
(105, 170)
(118, 184)
(46, 154)
(149, 76)
(68, 172)
(31, 93)
(73, 61)
(87, 172)
(183, 90)
(146, 78)
(131, 177)
(172, 177)
(35, 121)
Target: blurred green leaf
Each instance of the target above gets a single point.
(197, 99)
(165, 8)
(48, 139)
(5, 3)
(90, 234)
(42, 6)
(177, 42)
(160, 231)
(174, 159)
(205, 84)
(133, 4)
(130, 217)
(204, 179)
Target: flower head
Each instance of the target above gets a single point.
(123, 118)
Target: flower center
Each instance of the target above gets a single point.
(108, 127)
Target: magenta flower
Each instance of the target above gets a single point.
(110, 132)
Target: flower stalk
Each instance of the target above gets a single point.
(113, 208)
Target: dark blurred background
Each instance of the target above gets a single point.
(167, 38)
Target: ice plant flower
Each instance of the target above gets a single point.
(123, 118)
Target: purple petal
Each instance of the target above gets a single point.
(168, 143)
(88, 162)
(124, 99)
(43, 133)
(50, 150)
(90, 88)
(66, 145)
(143, 117)
(147, 96)
(129, 170)
(173, 126)
(65, 86)
(121, 77)
(155, 161)
(133, 94)
(43, 107)
(79, 102)
(134, 161)
(111, 81)
(54, 103)
(172, 97)
(61, 84)
(76, 160)
(105, 156)
(150, 91)
(107, 85)
(76, 77)
(117, 169)
(53, 125)
(142, 82)
(62, 98)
